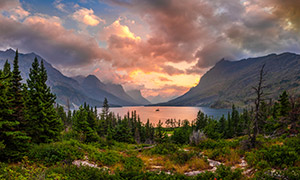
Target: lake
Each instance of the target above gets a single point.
(165, 112)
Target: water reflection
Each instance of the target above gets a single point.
(154, 114)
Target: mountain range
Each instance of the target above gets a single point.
(232, 81)
(76, 90)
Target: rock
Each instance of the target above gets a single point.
(84, 163)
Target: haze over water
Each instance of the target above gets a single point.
(164, 113)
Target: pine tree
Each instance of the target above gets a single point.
(201, 121)
(13, 142)
(284, 104)
(234, 119)
(222, 125)
(16, 93)
(44, 124)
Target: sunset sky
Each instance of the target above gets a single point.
(161, 47)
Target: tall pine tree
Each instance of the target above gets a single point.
(13, 141)
(44, 124)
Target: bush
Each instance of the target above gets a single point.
(225, 173)
(133, 164)
(222, 172)
(108, 158)
(212, 144)
(292, 173)
(276, 156)
(55, 152)
(181, 157)
(73, 172)
(164, 149)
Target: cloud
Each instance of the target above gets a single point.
(87, 17)
(45, 35)
(60, 6)
(164, 79)
(211, 30)
(117, 29)
(7, 4)
(13, 9)
(165, 91)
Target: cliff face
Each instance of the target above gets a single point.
(232, 81)
(137, 96)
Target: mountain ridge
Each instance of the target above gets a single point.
(70, 90)
(232, 81)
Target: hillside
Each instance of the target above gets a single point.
(232, 81)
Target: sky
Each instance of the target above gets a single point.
(161, 47)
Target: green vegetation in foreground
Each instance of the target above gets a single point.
(41, 141)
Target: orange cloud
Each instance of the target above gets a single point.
(87, 17)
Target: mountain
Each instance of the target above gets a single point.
(115, 94)
(137, 96)
(232, 81)
(74, 91)
(159, 99)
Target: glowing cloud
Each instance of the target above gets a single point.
(87, 17)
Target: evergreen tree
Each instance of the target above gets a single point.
(44, 124)
(6, 69)
(284, 104)
(13, 142)
(222, 125)
(234, 119)
(201, 121)
(105, 109)
(62, 115)
(229, 127)
(160, 135)
(16, 93)
(82, 127)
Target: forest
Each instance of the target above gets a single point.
(40, 139)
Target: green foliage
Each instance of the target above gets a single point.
(74, 173)
(133, 164)
(181, 134)
(55, 152)
(221, 143)
(107, 158)
(43, 123)
(292, 173)
(284, 104)
(181, 157)
(224, 172)
(84, 121)
(164, 149)
(13, 140)
(277, 156)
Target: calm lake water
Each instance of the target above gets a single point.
(164, 113)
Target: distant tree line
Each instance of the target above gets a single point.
(275, 118)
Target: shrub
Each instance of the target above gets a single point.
(222, 172)
(275, 156)
(55, 152)
(292, 173)
(164, 149)
(108, 158)
(73, 172)
(133, 164)
(181, 157)
(225, 173)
